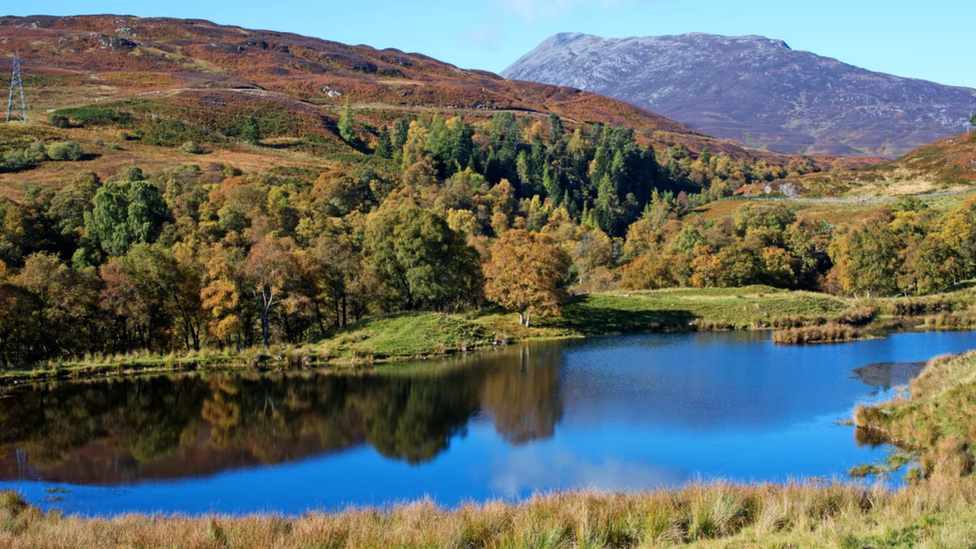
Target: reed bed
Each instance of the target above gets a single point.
(950, 322)
(831, 332)
(857, 316)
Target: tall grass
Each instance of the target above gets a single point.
(832, 332)
(714, 515)
(937, 419)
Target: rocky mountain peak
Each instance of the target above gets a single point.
(756, 90)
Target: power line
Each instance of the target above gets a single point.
(16, 106)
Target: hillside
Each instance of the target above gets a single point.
(210, 75)
(154, 210)
(756, 90)
(947, 166)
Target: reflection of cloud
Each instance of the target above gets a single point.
(488, 36)
(530, 10)
(527, 471)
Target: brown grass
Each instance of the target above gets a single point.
(718, 515)
(832, 332)
(107, 162)
(938, 419)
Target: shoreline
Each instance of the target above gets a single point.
(937, 503)
(276, 359)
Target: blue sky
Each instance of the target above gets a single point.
(934, 40)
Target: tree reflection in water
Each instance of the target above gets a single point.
(122, 431)
(526, 401)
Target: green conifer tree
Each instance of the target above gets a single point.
(347, 125)
(384, 146)
(251, 131)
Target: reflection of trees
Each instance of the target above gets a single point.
(883, 376)
(143, 419)
(420, 416)
(118, 430)
(162, 424)
(222, 409)
(525, 397)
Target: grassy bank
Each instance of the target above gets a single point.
(937, 419)
(761, 516)
(802, 317)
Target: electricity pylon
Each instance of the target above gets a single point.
(16, 106)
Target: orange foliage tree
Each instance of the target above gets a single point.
(526, 274)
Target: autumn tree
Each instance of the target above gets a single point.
(656, 269)
(707, 269)
(63, 304)
(340, 285)
(932, 265)
(866, 260)
(223, 295)
(959, 233)
(151, 280)
(268, 266)
(21, 339)
(68, 207)
(526, 274)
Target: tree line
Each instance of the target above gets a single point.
(901, 249)
(442, 215)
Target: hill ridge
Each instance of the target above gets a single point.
(756, 90)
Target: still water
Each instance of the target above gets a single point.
(613, 413)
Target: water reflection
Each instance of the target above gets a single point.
(613, 413)
(526, 402)
(888, 375)
(122, 431)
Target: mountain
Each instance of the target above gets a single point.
(756, 90)
(207, 74)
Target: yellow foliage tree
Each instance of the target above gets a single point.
(707, 268)
(526, 274)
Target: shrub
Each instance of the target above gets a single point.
(918, 307)
(15, 160)
(95, 116)
(230, 171)
(59, 120)
(65, 150)
(192, 147)
(858, 316)
(951, 321)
